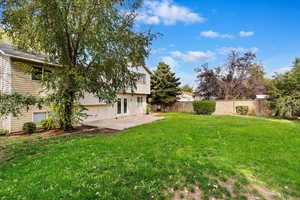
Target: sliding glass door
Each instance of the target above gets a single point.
(119, 106)
(122, 106)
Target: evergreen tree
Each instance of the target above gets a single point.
(164, 86)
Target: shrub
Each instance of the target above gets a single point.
(29, 127)
(205, 107)
(4, 132)
(48, 124)
(242, 110)
(148, 110)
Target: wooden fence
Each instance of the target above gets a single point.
(256, 107)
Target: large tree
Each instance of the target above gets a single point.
(92, 41)
(285, 92)
(164, 86)
(241, 76)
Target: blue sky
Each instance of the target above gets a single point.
(200, 31)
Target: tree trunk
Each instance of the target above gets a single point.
(67, 105)
(68, 115)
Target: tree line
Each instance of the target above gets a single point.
(241, 76)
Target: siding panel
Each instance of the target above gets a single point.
(5, 86)
(22, 83)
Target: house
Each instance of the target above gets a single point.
(13, 78)
(186, 96)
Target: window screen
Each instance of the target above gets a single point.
(142, 78)
(38, 72)
(140, 99)
(39, 116)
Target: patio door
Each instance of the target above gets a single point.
(122, 106)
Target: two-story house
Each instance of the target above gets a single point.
(13, 78)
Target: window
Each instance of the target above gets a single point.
(38, 72)
(142, 78)
(140, 99)
(125, 105)
(39, 116)
(119, 106)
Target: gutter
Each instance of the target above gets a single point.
(52, 64)
(28, 59)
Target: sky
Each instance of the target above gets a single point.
(195, 32)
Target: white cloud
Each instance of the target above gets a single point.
(166, 12)
(227, 50)
(246, 34)
(194, 56)
(143, 17)
(213, 34)
(283, 70)
(170, 61)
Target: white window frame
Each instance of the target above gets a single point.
(142, 79)
(47, 115)
(140, 100)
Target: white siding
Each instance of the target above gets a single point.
(99, 112)
(90, 100)
(23, 83)
(142, 89)
(19, 81)
(5, 86)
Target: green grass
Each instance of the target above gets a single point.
(145, 162)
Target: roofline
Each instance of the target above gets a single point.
(52, 64)
(28, 59)
(147, 69)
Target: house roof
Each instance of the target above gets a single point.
(187, 93)
(11, 51)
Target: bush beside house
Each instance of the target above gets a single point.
(205, 107)
(4, 132)
(242, 110)
(29, 127)
(48, 124)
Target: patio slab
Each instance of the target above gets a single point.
(123, 123)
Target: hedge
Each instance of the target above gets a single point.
(29, 127)
(205, 107)
(242, 110)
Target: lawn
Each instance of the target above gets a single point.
(151, 161)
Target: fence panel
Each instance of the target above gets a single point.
(256, 107)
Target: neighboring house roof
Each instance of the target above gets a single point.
(11, 51)
(186, 96)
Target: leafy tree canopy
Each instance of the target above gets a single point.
(285, 92)
(93, 42)
(240, 77)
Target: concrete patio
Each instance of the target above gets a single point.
(123, 123)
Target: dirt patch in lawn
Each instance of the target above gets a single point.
(80, 130)
(226, 190)
(3, 157)
(84, 130)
